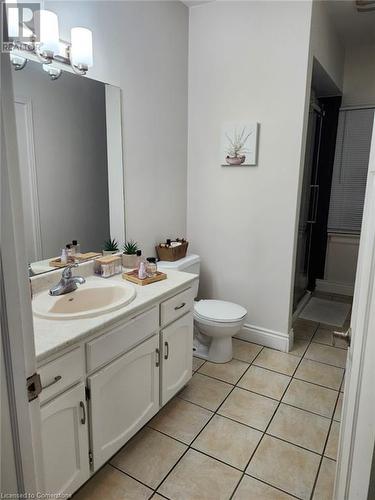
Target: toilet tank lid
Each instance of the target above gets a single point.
(180, 264)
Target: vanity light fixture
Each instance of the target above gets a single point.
(81, 58)
(50, 49)
(53, 72)
(48, 46)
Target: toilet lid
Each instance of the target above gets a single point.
(219, 310)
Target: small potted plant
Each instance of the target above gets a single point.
(236, 152)
(110, 247)
(129, 256)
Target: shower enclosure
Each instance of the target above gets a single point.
(309, 202)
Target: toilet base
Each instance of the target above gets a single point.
(219, 350)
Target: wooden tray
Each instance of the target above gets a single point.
(56, 262)
(133, 277)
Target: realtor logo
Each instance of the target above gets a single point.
(19, 25)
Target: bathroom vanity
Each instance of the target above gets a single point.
(105, 377)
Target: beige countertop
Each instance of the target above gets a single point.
(52, 336)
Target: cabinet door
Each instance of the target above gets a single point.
(65, 442)
(123, 397)
(177, 351)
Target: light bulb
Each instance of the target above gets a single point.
(81, 49)
(49, 32)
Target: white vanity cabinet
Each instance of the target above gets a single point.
(123, 397)
(65, 442)
(177, 357)
(105, 388)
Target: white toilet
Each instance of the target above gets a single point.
(215, 321)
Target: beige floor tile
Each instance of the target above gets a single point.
(206, 391)
(300, 427)
(319, 373)
(111, 484)
(285, 466)
(181, 420)
(333, 441)
(278, 361)
(304, 329)
(252, 489)
(228, 441)
(149, 456)
(198, 477)
(228, 372)
(326, 354)
(249, 408)
(197, 363)
(311, 397)
(299, 347)
(157, 497)
(326, 480)
(337, 415)
(324, 336)
(264, 382)
(245, 351)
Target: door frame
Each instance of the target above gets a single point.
(16, 311)
(26, 103)
(357, 432)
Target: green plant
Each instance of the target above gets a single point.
(111, 245)
(130, 247)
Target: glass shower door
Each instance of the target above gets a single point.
(308, 204)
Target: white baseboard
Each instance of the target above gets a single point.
(333, 287)
(301, 304)
(268, 338)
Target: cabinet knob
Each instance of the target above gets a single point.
(157, 363)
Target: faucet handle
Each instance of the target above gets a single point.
(67, 271)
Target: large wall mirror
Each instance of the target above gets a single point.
(70, 154)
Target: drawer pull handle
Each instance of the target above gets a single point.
(83, 419)
(180, 306)
(54, 381)
(166, 346)
(157, 363)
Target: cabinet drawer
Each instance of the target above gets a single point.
(61, 373)
(175, 307)
(110, 345)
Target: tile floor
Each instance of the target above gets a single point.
(262, 427)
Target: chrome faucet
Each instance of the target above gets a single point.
(67, 283)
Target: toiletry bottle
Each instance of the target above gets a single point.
(151, 268)
(69, 251)
(64, 256)
(140, 259)
(142, 274)
(76, 247)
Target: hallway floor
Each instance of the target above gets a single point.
(264, 427)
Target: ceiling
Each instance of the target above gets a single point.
(193, 3)
(353, 27)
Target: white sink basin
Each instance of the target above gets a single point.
(91, 299)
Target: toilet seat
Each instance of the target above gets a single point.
(219, 311)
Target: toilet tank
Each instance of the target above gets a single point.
(189, 264)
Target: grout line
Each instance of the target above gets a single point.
(127, 474)
(264, 433)
(274, 487)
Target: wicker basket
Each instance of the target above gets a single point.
(172, 253)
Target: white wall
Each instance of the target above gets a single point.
(247, 61)
(325, 43)
(359, 76)
(142, 48)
